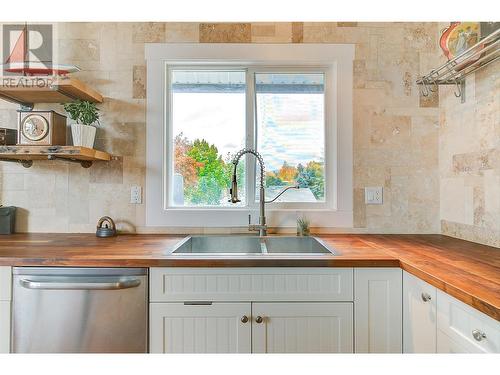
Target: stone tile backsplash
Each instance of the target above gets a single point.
(469, 159)
(397, 133)
(225, 33)
(297, 32)
(139, 82)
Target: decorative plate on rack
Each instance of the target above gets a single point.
(458, 38)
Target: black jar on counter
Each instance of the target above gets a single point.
(7, 220)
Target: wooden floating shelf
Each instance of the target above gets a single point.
(29, 90)
(26, 154)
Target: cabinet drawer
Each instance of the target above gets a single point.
(462, 323)
(251, 284)
(446, 345)
(5, 283)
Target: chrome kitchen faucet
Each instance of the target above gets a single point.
(262, 226)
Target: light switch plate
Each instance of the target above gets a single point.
(136, 195)
(374, 195)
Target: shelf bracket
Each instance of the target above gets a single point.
(462, 91)
(25, 163)
(83, 163)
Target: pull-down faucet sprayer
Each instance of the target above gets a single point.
(262, 226)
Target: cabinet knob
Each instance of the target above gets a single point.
(478, 335)
(259, 319)
(426, 297)
(244, 319)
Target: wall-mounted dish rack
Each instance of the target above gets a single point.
(454, 71)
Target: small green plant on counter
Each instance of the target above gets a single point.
(83, 112)
(303, 227)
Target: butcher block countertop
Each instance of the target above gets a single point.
(468, 271)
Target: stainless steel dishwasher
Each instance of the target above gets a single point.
(79, 310)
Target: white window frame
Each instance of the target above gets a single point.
(334, 59)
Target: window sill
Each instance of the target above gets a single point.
(237, 217)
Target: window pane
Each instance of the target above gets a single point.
(291, 134)
(208, 122)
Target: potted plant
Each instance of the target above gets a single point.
(86, 115)
(303, 227)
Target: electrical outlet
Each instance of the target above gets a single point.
(136, 195)
(374, 195)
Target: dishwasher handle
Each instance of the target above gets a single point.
(87, 283)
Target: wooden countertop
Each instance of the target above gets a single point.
(468, 271)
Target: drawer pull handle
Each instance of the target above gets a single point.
(478, 335)
(197, 303)
(259, 319)
(244, 319)
(426, 297)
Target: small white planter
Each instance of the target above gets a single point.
(83, 135)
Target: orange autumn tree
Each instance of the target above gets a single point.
(287, 172)
(185, 164)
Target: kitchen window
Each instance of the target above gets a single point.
(208, 117)
(205, 102)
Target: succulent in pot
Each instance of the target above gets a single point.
(303, 227)
(86, 117)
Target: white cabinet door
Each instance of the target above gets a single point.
(5, 283)
(5, 297)
(209, 328)
(378, 310)
(419, 315)
(296, 327)
(4, 326)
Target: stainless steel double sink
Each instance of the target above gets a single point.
(251, 245)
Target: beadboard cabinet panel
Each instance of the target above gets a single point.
(213, 328)
(5, 303)
(378, 310)
(251, 284)
(419, 315)
(302, 327)
(5, 283)
(5, 326)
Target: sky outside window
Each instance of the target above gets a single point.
(291, 133)
(208, 121)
